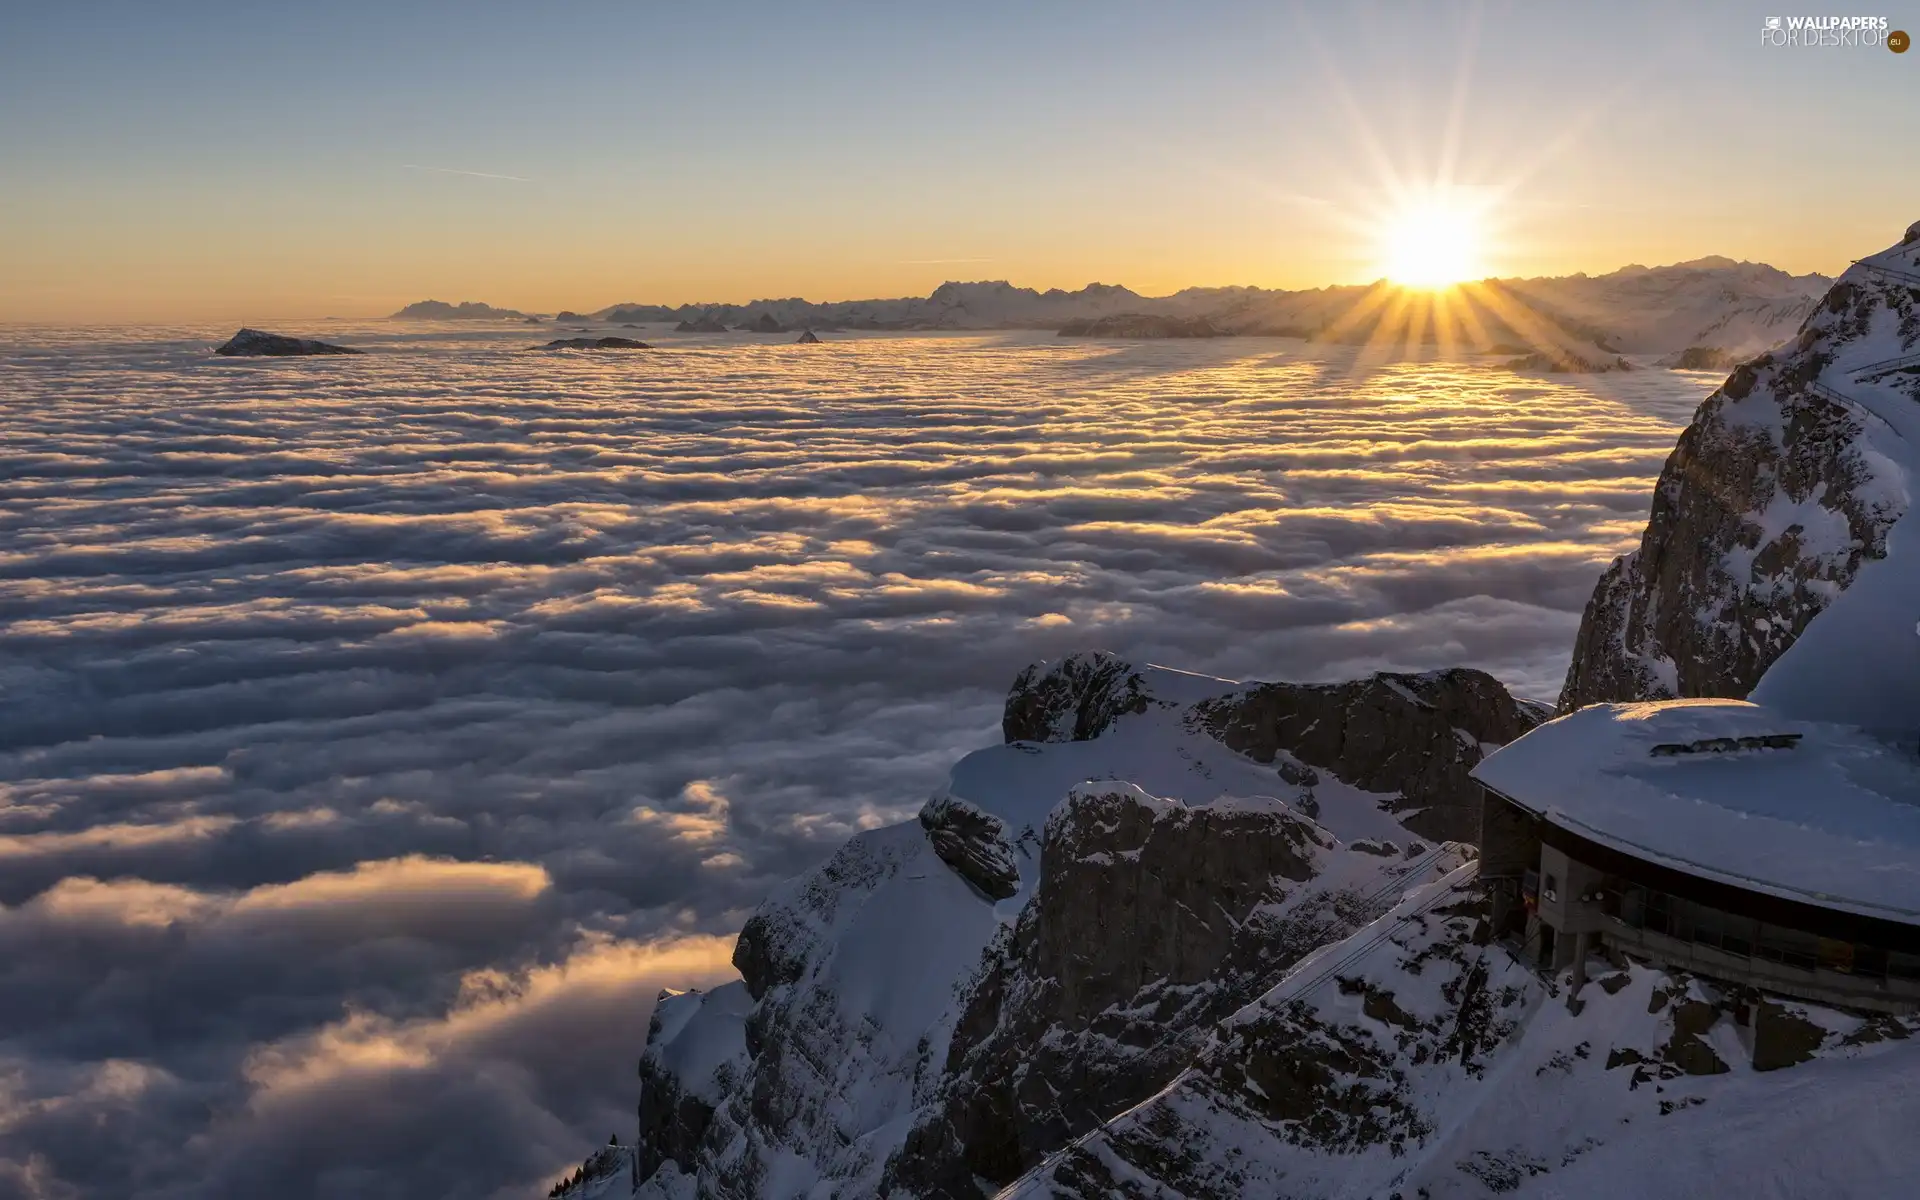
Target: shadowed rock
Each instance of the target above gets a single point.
(605, 343)
(259, 343)
(973, 843)
(807, 339)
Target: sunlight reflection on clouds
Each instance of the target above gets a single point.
(376, 735)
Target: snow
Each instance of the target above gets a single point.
(1836, 819)
(1857, 662)
(1154, 752)
(701, 1031)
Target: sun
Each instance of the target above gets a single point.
(1432, 244)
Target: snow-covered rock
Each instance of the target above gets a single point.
(1151, 921)
(1414, 1059)
(1788, 480)
(1185, 871)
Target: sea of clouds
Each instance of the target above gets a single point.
(379, 734)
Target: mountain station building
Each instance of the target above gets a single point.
(1714, 836)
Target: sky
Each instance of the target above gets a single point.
(207, 159)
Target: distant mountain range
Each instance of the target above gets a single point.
(1735, 307)
(466, 310)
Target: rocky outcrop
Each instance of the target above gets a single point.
(807, 339)
(974, 843)
(1072, 700)
(1764, 512)
(695, 1056)
(1567, 362)
(1416, 736)
(259, 343)
(990, 974)
(708, 323)
(1700, 358)
(603, 343)
(1142, 325)
(1152, 920)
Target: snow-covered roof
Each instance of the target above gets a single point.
(1832, 819)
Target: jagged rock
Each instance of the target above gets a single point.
(1157, 914)
(1700, 358)
(973, 843)
(1417, 735)
(766, 324)
(807, 339)
(705, 324)
(587, 343)
(1764, 512)
(256, 342)
(1151, 921)
(1074, 699)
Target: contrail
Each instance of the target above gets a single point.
(458, 171)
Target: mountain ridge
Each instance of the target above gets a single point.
(1747, 307)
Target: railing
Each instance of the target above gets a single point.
(1826, 393)
(1886, 365)
(1904, 276)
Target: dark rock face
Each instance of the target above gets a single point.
(1568, 363)
(1289, 1072)
(1150, 922)
(1072, 700)
(807, 339)
(1142, 325)
(705, 324)
(766, 324)
(587, 343)
(1418, 735)
(973, 843)
(1703, 358)
(1718, 590)
(259, 343)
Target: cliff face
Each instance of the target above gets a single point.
(1771, 501)
(1151, 921)
(967, 990)
(1415, 736)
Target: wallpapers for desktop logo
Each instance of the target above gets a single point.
(1832, 31)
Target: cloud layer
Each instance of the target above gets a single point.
(378, 735)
